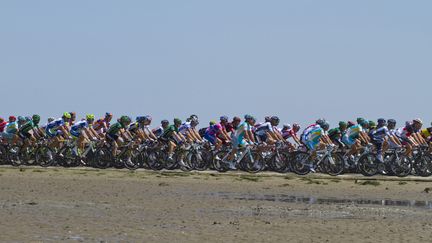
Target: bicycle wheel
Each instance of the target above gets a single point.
(3, 155)
(334, 164)
(44, 156)
(151, 159)
(423, 165)
(103, 158)
(400, 166)
(300, 163)
(205, 160)
(217, 162)
(252, 162)
(367, 164)
(14, 155)
(278, 162)
(135, 162)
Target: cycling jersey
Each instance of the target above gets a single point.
(426, 132)
(115, 129)
(263, 128)
(212, 132)
(403, 133)
(289, 133)
(158, 131)
(306, 130)
(169, 131)
(334, 133)
(238, 137)
(184, 128)
(12, 127)
(99, 125)
(52, 129)
(312, 138)
(352, 133)
(77, 128)
(379, 134)
(3, 126)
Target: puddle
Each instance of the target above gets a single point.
(317, 200)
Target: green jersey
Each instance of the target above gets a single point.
(115, 129)
(168, 132)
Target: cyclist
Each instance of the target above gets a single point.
(291, 132)
(314, 139)
(378, 137)
(158, 131)
(392, 140)
(172, 136)
(57, 130)
(242, 136)
(265, 131)
(354, 136)
(72, 119)
(225, 129)
(103, 124)
(189, 131)
(27, 131)
(82, 132)
(212, 134)
(3, 124)
(10, 130)
(116, 133)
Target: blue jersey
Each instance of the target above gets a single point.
(78, 127)
(53, 126)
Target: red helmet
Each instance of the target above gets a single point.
(12, 118)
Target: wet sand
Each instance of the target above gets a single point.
(90, 205)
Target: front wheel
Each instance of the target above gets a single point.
(423, 165)
(218, 163)
(44, 156)
(367, 164)
(252, 162)
(103, 158)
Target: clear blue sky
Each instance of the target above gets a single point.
(297, 59)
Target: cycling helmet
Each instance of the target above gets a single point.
(67, 115)
(140, 119)
(247, 117)
(274, 119)
(372, 124)
(90, 117)
(1, 119)
(21, 119)
(267, 118)
(27, 118)
(177, 121)
(212, 123)
(320, 121)
(50, 119)
(418, 120)
(108, 114)
(360, 120)
(343, 124)
(12, 118)
(125, 119)
(296, 126)
(237, 119)
(224, 119)
(148, 118)
(287, 126)
(350, 123)
(391, 121)
(364, 123)
(193, 117)
(382, 122)
(36, 118)
(164, 122)
(325, 125)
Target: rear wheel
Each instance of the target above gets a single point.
(423, 165)
(300, 163)
(44, 156)
(334, 164)
(152, 160)
(103, 158)
(14, 155)
(218, 163)
(253, 162)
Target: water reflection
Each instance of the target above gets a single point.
(319, 200)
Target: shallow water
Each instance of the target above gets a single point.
(327, 201)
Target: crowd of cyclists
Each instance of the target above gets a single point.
(363, 146)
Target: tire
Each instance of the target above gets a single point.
(423, 165)
(300, 164)
(3, 155)
(137, 161)
(367, 165)
(152, 160)
(169, 164)
(44, 156)
(104, 158)
(206, 159)
(68, 159)
(334, 164)
(14, 155)
(278, 162)
(253, 162)
(400, 166)
(217, 162)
